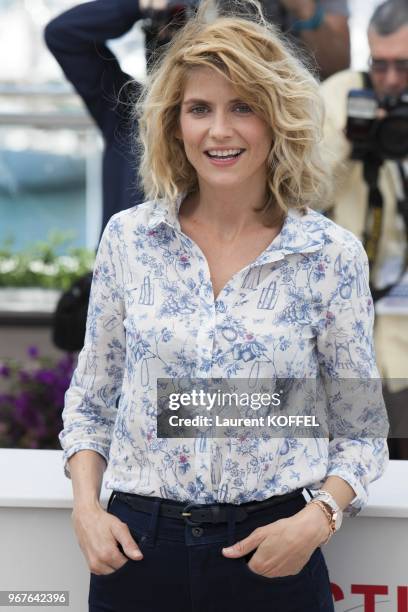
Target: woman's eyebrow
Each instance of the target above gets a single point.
(201, 101)
(195, 101)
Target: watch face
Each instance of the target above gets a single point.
(327, 499)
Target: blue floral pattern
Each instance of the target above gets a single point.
(302, 307)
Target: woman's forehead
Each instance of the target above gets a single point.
(205, 80)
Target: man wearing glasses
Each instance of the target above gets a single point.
(366, 134)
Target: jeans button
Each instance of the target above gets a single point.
(197, 531)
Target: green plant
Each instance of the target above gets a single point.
(41, 265)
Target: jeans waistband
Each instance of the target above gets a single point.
(155, 521)
(194, 513)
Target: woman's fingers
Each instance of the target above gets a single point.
(241, 548)
(122, 534)
(99, 536)
(107, 561)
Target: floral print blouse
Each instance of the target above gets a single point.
(302, 307)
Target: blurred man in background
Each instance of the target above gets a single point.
(366, 134)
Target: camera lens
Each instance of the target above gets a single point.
(392, 135)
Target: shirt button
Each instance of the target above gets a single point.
(197, 532)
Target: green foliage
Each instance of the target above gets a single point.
(41, 265)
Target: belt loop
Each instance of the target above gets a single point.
(154, 521)
(231, 525)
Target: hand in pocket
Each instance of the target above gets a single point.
(103, 538)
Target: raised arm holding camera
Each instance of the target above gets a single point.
(366, 133)
(78, 40)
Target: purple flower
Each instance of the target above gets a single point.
(32, 402)
(25, 412)
(66, 364)
(47, 377)
(41, 431)
(6, 398)
(32, 351)
(4, 371)
(58, 396)
(24, 376)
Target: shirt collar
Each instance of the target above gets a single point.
(298, 234)
(166, 211)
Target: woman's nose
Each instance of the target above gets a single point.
(220, 125)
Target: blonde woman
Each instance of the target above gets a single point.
(226, 266)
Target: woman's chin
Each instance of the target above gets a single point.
(222, 182)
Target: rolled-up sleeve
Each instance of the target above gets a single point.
(356, 412)
(91, 401)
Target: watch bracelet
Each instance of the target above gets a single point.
(329, 517)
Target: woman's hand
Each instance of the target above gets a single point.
(98, 534)
(284, 547)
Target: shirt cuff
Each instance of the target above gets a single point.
(361, 498)
(67, 454)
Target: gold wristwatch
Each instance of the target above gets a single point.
(330, 507)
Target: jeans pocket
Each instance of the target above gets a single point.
(139, 539)
(112, 575)
(272, 579)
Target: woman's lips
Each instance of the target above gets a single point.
(224, 162)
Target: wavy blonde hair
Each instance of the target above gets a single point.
(259, 64)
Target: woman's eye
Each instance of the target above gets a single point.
(202, 110)
(198, 110)
(243, 108)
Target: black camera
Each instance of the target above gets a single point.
(385, 137)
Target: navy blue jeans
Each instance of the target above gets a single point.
(183, 569)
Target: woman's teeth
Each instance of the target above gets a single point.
(229, 154)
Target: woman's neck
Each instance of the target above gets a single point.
(226, 215)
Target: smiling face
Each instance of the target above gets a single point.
(224, 140)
